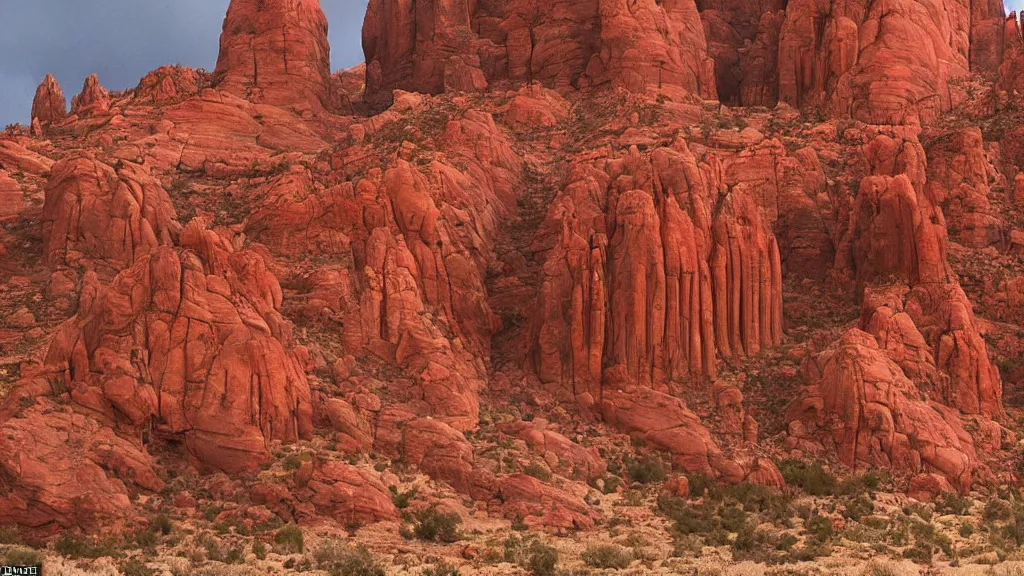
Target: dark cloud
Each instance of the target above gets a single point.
(122, 40)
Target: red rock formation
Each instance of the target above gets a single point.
(168, 83)
(660, 286)
(107, 216)
(50, 106)
(541, 506)
(47, 486)
(880, 63)
(743, 39)
(461, 46)
(348, 495)
(864, 404)
(959, 174)
(559, 452)
(93, 99)
(276, 52)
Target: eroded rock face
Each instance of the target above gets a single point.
(93, 99)
(875, 416)
(208, 329)
(650, 276)
(276, 52)
(959, 174)
(434, 46)
(49, 105)
(880, 63)
(48, 487)
(168, 83)
(107, 216)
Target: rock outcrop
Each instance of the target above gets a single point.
(94, 99)
(650, 275)
(563, 44)
(874, 415)
(49, 106)
(276, 52)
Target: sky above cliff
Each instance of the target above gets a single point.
(122, 40)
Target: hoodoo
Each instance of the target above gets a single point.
(275, 52)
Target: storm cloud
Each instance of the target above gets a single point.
(122, 40)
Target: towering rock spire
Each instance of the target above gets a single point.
(50, 105)
(275, 52)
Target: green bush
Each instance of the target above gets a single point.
(136, 568)
(953, 503)
(161, 524)
(23, 557)
(341, 560)
(259, 549)
(646, 470)
(820, 528)
(542, 561)
(401, 499)
(538, 471)
(754, 545)
(607, 556)
(73, 546)
(809, 477)
(433, 525)
(289, 539)
(857, 508)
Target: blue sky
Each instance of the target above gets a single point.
(122, 40)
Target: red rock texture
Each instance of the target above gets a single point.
(48, 487)
(464, 46)
(875, 416)
(167, 84)
(49, 106)
(641, 294)
(276, 52)
(560, 226)
(96, 213)
(93, 99)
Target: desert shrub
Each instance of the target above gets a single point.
(136, 568)
(74, 546)
(920, 552)
(23, 557)
(433, 525)
(754, 545)
(294, 460)
(607, 556)
(819, 528)
(997, 509)
(857, 508)
(10, 534)
(531, 554)
(646, 470)
(953, 503)
(878, 569)
(538, 471)
(441, 569)
(542, 561)
(161, 524)
(760, 499)
(401, 499)
(259, 549)
(700, 484)
(289, 539)
(340, 560)
(808, 476)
